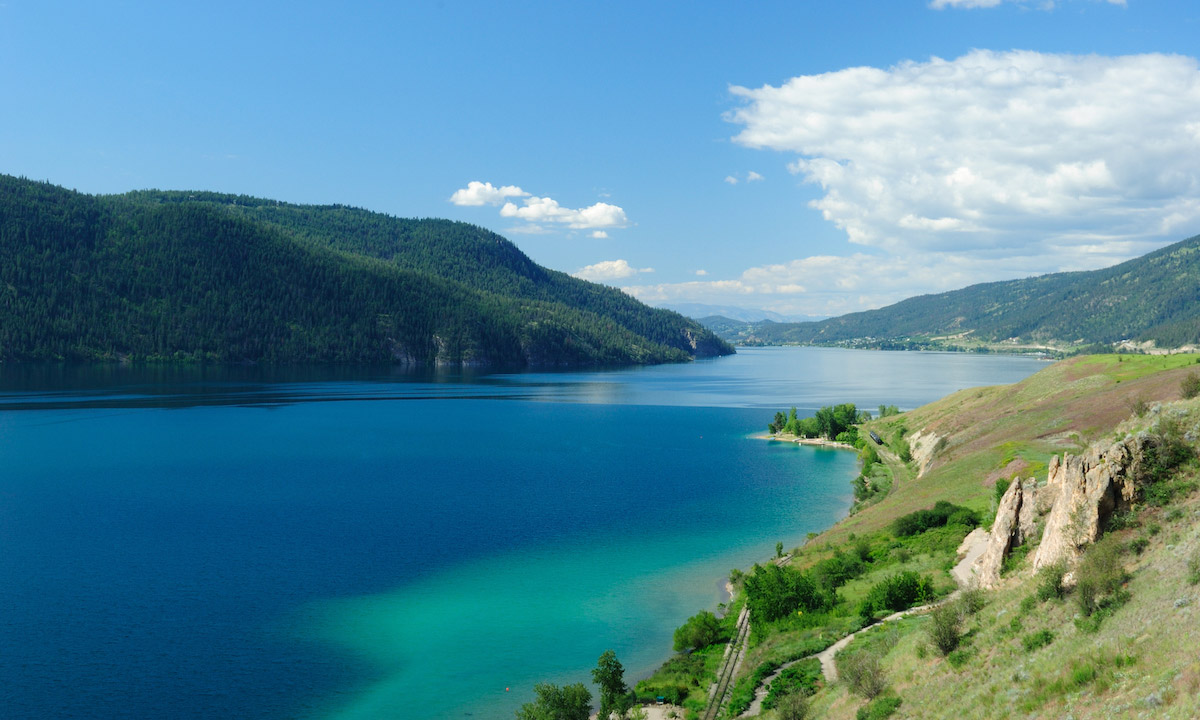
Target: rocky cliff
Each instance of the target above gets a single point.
(1080, 495)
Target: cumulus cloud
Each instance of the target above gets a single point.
(731, 180)
(701, 273)
(539, 211)
(1069, 161)
(544, 209)
(609, 270)
(480, 193)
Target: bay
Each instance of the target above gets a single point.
(367, 543)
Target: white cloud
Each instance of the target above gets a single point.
(731, 180)
(544, 209)
(701, 273)
(1067, 161)
(479, 193)
(609, 270)
(753, 176)
(537, 211)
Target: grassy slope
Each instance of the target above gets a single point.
(995, 433)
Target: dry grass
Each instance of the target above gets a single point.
(1141, 662)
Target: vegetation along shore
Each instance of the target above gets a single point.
(1030, 550)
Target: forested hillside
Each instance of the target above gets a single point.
(201, 276)
(1152, 298)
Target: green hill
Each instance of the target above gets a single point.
(203, 276)
(1154, 298)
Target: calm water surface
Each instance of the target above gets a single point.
(364, 543)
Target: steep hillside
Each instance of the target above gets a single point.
(201, 276)
(1152, 298)
(1089, 586)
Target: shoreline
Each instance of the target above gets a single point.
(818, 442)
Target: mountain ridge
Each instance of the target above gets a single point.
(207, 276)
(1154, 298)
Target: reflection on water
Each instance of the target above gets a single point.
(756, 377)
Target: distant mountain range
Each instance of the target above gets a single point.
(1154, 298)
(198, 276)
(733, 312)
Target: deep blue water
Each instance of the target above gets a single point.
(363, 543)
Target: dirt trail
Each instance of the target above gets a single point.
(973, 547)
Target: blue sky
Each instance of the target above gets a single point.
(807, 158)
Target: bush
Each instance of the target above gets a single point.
(1000, 488)
(880, 708)
(945, 628)
(700, 631)
(774, 592)
(896, 592)
(793, 707)
(942, 513)
(863, 672)
(1193, 577)
(833, 572)
(1050, 581)
(1190, 387)
(802, 679)
(959, 657)
(1163, 454)
(1037, 640)
(971, 600)
(1100, 576)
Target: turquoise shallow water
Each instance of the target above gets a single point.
(367, 544)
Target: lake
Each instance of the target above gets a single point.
(362, 543)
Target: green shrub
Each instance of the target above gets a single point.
(1037, 640)
(1050, 581)
(1165, 452)
(1139, 544)
(942, 513)
(960, 657)
(945, 625)
(1193, 577)
(1100, 575)
(793, 707)
(1190, 386)
(880, 708)
(802, 679)
(863, 672)
(896, 592)
(972, 600)
(1000, 488)
(773, 592)
(700, 631)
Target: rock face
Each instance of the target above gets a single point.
(1080, 494)
(1016, 520)
(924, 445)
(1086, 490)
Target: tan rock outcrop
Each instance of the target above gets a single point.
(923, 445)
(1006, 531)
(1086, 490)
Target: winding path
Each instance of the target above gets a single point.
(972, 547)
